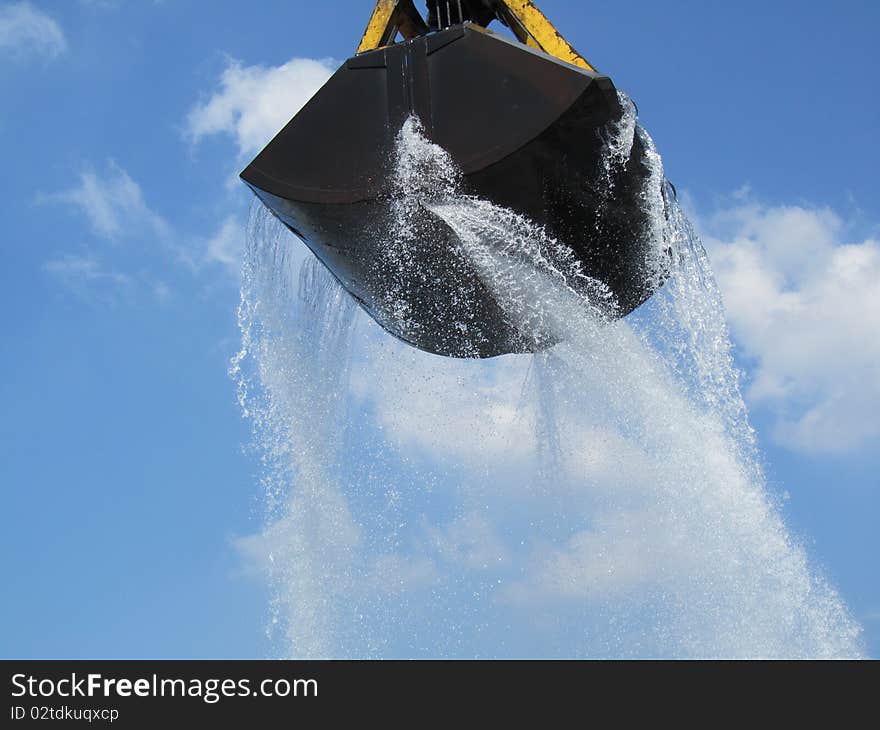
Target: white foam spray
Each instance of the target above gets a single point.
(603, 498)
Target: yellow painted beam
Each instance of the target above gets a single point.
(543, 32)
(379, 25)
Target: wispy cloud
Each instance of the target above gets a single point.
(226, 245)
(804, 305)
(113, 206)
(113, 203)
(86, 276)
(28, 31)
(253, 102)
(100, 4)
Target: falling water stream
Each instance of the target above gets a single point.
(602, 498)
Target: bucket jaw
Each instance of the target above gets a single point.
(526, 122)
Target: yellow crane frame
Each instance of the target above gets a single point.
(527, 22)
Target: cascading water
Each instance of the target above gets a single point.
(602, 498)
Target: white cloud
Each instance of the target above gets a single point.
(226, 245)
(804, 305)
(623, 553)
(25, 30)
(489, 392)
(113, 203)
(470, 541)
(115, 208)
(162, 292)
(87, 276)
(253, 103)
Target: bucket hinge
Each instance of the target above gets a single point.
(523, 17)
(389, 18)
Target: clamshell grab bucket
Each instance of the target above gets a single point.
(528, 131)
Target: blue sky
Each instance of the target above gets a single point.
(125, 484)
